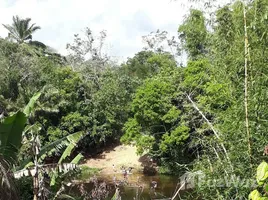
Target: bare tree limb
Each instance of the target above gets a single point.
(211, 127)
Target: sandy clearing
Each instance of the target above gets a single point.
(121, 155)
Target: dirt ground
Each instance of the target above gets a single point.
(121, 155)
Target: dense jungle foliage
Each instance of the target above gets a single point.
(207, 116)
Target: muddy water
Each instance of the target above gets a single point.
(136, 186)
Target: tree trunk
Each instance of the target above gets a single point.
(35, 176)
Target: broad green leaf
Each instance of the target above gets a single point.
(53, 179)
(73, 140)
(52, 147)
(59, 169)
(77, 158)
(30, 164)
(254, 195)
(11, 130)
(28, 109)
(266, 188)
(70, 141)
(262, 173)
(67, 152)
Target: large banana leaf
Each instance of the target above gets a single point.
(28, 109)
(77, 159)
(67, 152)
(11, 129)
(70, 141)
(73, 139)
(54, 167)
(11, 135)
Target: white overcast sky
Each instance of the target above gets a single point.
(125, 21)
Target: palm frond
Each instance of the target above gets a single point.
(16, 23)
(26, 22)
(35, 28)
(28, 37)
(12, 32)
(8, 27)
(21, 30)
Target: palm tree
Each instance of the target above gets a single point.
(21, 30)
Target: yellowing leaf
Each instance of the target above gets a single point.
(254, 195)
(262, 173)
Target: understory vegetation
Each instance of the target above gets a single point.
(207, 116)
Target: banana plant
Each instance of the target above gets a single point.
(11, 131)
(35, 167)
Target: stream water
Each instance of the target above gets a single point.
(134, 186)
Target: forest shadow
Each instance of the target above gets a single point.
(148, 164)
(97, 152)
